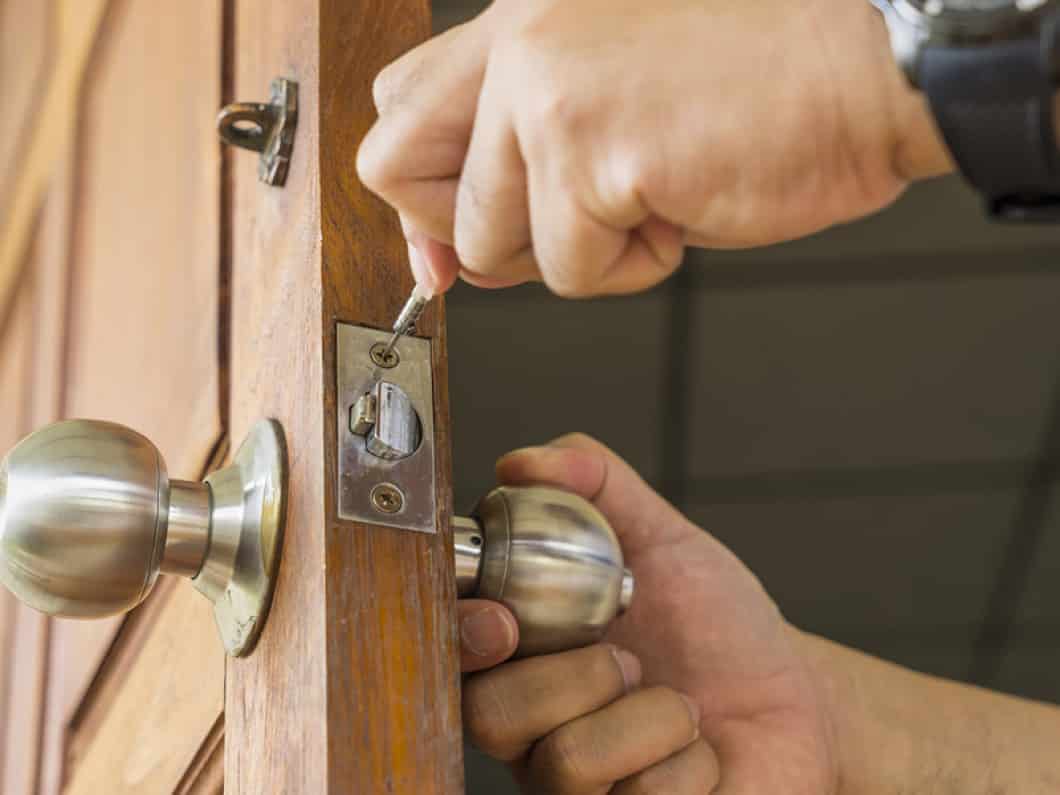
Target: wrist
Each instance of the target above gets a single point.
(898, 731)
(843, 703)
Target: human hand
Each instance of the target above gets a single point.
(613, 715)
(586, 142)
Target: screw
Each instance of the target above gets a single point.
(387, 498)
(382, 357)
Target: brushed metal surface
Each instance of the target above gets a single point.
(468, 539)
(186, 543)
(248, 514)
(88, 518)
(83, 510)
(552, 559)
(361, 471)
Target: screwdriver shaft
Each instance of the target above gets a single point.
(410, 313)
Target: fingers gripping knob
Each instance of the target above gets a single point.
(89, 517)
(551, 558)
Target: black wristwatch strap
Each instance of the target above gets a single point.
(994, 106)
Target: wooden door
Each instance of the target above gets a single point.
(148, 277)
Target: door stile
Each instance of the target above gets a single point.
(393, 694)
(354, 687)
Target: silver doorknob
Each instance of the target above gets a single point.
(551, 558)
(89, 517)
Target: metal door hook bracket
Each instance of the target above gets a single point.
(267, 128)
(385, 431)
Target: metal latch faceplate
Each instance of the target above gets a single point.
(373, 489)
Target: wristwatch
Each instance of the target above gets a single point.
(989, 69)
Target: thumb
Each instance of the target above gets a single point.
(582, 465)
(488, 634)
(434, 265)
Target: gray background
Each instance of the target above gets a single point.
(870, 418)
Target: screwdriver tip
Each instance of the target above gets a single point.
(392, 343)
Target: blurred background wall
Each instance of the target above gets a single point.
(870, 418)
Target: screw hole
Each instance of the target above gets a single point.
(383, 359)
(476, 541)
(387, 498)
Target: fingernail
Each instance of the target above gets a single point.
(629, 665)
(518, 452)
(486, 633)
(420, 272)
(694, 712)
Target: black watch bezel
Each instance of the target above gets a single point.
(956, 27)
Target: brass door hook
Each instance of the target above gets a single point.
(267, 128)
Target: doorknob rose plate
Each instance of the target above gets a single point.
(246, 536)
(89, 517)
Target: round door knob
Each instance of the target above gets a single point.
(89, 517)
(551, 558)
(80, 511)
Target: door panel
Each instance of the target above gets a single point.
(23, 633)
(277, 372)
(165, 697)
(76, 23)
(25, 713)
(143, 341)
(359, 655)
(30, 386)
(175, 257)
(144, 335)
(16, 350)
(26, 28)
(392, 645)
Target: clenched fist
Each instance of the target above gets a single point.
(587, 142)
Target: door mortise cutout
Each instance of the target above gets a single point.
(385, 431)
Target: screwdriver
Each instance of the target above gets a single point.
(410, 313)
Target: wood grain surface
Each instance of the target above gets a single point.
(276, 731)
(76, 23)
(142, 328)
(27, 29)
(357, 666)
(21, 635)
(47, 274)
(144, 323)
(167, 695)
(392, 645)
(25, 709)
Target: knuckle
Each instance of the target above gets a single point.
(558, 111)
(393, 80)
(569, 282)
(385, 87)
(468, 228)
(550, 107)
(374, 160)
(646, 179)
(487, 717)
